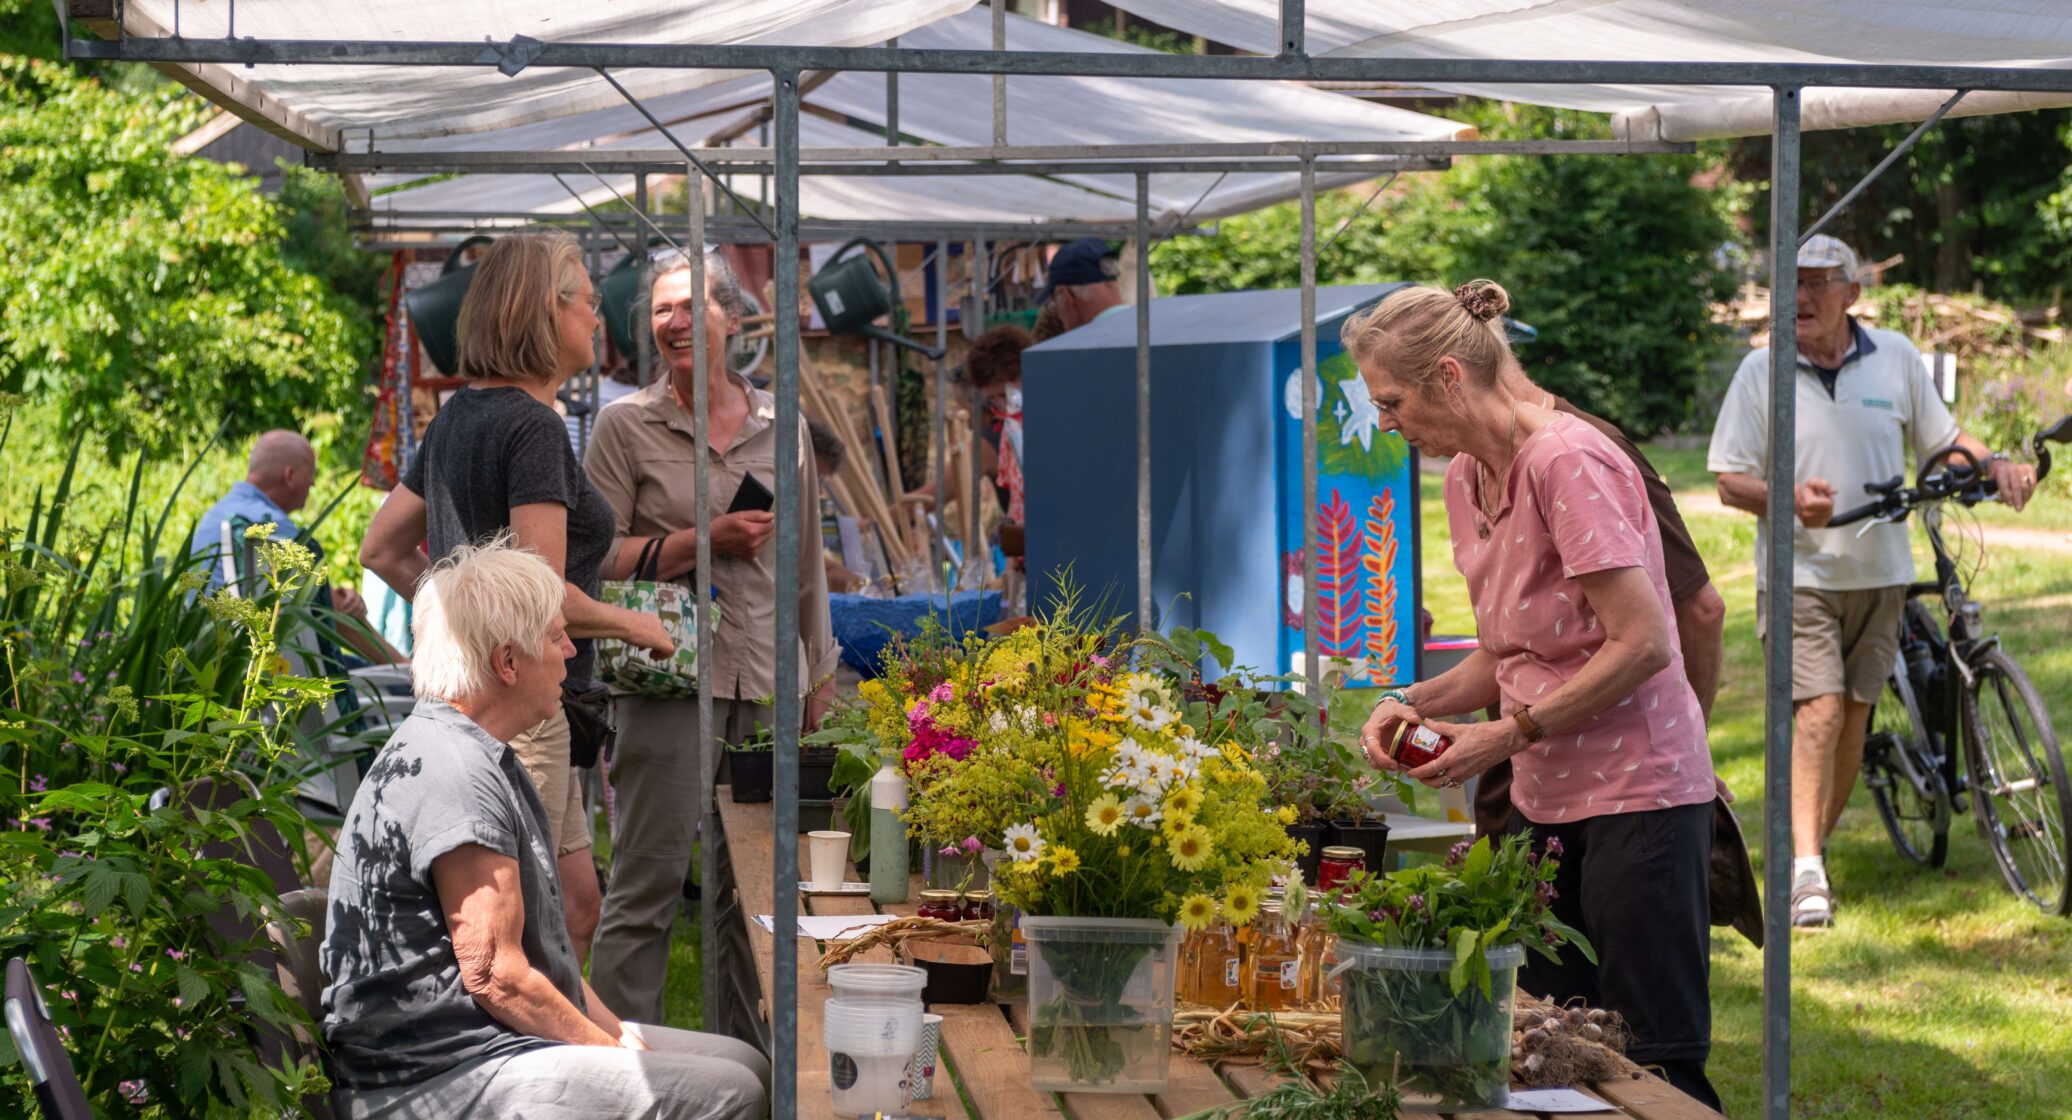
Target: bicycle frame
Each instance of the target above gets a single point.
(1956, 643)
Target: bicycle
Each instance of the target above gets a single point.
(1957, 686)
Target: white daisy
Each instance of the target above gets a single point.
(1023, 843)
(998, 724)
(1152, 717)
(1143, 811)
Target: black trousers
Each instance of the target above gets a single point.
(1636, 885)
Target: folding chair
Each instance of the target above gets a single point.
(50, 1068)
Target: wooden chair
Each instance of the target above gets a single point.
(58, 1093)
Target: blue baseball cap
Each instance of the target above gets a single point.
(1084, 261)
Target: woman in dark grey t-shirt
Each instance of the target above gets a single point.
(496, 458)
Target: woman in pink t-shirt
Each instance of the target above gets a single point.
(1551, 528)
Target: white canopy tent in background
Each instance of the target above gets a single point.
(948, 109)
(2036, 33)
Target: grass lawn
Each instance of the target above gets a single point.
(1936, 994)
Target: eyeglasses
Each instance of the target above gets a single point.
(596, 300)
(1825, 283)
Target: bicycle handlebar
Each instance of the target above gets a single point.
(1939, 479)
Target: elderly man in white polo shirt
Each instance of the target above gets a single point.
(1867, 410)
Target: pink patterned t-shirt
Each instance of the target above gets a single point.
(1574, 504)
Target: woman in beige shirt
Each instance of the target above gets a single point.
(643, 458)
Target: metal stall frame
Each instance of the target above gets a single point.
(786, 64)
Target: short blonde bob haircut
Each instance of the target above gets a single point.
(476, 599)
(1412, 328)
(507, 325)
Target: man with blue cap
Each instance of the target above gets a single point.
(1082, 286)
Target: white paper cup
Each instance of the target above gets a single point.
(830, 855)
(921, 1075)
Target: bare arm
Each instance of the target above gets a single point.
(1636, 647)
(739, 535)
(391, 547)
(1701, 627)
(543, 528)
(485, 917)
(1814, 499)
(2017, 481)
(1467, 687)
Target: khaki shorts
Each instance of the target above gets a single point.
(1842, 642)
(544, 752)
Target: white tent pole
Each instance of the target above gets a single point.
(707, 744)
(784, 1057)
(1145, 622)
(999, 80)
(1312, 646)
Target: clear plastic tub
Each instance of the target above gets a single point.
(1100, 1003)
(877, 981)
(1402, 1021)
(870, 1044)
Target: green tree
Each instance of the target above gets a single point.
(150, 293)
(1613, 259)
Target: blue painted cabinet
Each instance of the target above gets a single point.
(1226, 459)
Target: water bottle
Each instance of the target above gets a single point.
(888, 834)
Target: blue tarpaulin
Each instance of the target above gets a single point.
(863, 625)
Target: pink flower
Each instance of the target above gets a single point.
(942, 693)
(39, 784)
(972, 846)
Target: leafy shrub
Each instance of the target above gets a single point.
(118, 680)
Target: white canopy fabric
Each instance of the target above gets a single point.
(955, 109)
(326, 105)
(2034, 33)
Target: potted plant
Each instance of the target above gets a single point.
(1354, 824)
(750, 764)
(1427, 966)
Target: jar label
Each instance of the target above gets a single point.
(1018, 959)
(842, 1068)
(1230, 972)
(1288, 974)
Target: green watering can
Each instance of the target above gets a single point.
(850, 295)
(434, 309)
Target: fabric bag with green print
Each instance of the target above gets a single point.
(629, 668)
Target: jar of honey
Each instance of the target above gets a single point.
(942, 905)
(1216, 977)
(1337, 864)
(1271, 964)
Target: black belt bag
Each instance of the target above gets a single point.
(588, 706)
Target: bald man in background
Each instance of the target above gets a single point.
(277, 482)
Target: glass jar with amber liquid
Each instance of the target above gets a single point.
(1317, 947)
(1215, 970)
(1271, 964)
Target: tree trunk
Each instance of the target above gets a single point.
(1953, 253)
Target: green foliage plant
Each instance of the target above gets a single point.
(119, 680)
(1435, 1020)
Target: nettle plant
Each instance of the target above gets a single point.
(133, 932)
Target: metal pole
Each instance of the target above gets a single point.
(785, 1059)
(1145, 623)
(1312, 647)
(999, 80)
(942, 376)
(974, 545)
(1891, 158)
(892, 102)
(1777, 711)
(707, 746)
(1293, 39)
(643, 335)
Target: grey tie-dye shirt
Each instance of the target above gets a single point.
(395, 1012)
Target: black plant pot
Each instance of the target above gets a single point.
(816, 769)
(1370, 836)
(751, 771)
(1315, 835)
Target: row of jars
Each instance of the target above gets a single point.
(1279, 961)
(956, 906)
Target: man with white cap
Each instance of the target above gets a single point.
(1867, 410)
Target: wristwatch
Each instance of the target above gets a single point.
(1528, 726)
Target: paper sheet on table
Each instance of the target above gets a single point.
(830, 927)
(1554, 1100)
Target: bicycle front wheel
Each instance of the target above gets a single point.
(2019, 785)
(1904, 781)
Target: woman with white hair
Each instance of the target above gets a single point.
(454, 989)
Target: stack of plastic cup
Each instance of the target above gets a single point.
(870, 1043)
(878, 981)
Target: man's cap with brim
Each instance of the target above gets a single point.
(1823, 251)
(1080, 262)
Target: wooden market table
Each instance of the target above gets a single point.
(981, 1048)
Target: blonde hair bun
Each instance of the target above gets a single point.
(1484, 299)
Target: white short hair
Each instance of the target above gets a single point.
(471, 602)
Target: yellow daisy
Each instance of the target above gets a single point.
(1197, 911)
(1175, 823)
(1063, 860)
(1105, 815)
(1287, 815)
(1190, 848)
(1184, 801)
(1240, 904)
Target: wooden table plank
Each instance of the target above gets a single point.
(1652, 1098)
(1191, 1087)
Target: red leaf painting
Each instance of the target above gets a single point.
(1380, 597)
(1338, 572)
